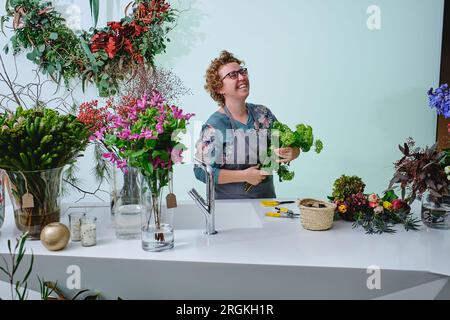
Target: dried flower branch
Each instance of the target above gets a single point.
(164, 81)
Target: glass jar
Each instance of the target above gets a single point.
(36, 198)
(157, 219)
(88, 231)
(75, 225)
(126, 203)
(435, 215)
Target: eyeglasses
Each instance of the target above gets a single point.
(234, 74)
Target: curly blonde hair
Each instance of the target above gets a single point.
(213, 81)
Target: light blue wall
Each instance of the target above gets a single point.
(316, 62)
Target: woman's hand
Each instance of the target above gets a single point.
(254, 176)
(287, 154)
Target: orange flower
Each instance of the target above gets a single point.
(342, 208)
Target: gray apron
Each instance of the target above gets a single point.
(236, 190)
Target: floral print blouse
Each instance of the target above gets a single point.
(206, 145)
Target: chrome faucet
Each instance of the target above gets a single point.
(207, 207)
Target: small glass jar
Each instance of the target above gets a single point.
(75, 225)
(88, 231)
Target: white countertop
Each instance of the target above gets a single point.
(275, 241)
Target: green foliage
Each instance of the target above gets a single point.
(301, 138)
(64, 55)
(345, 186)
(18, 287)
(45, 290)
(48, 41)
(40, 139)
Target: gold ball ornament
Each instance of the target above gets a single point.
(55, 236)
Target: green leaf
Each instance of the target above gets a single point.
(31, 55)
(53, 36)
(89, 54)
(94, 11)
(41, 48)
(3, 19)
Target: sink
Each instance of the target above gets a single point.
(228, 216)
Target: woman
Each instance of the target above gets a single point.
(233, 137)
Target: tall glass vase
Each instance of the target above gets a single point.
(2, 197)
(36, 198)
(126, 203)
(156, 218)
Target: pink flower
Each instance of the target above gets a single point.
(110, 156)
(156, 99)
(176, 155)
(98, 135)
(124, 134)
(147, 134)
(378, 210)
(159, 128)
(142, 103)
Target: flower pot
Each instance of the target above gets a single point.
(156, 219)
(126, 203)
(316, 215)
(435, 215)
(36, 199)
(2, 197)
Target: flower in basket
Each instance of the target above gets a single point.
(36, 144)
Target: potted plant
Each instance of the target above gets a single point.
(36, 144)
(421, 172)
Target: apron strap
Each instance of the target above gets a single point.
(255, 124)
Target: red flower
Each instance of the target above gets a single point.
(111, 48)
(397, 204)
(92, 116)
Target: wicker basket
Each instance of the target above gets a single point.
(316, 214)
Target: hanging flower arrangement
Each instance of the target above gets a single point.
(105, 57)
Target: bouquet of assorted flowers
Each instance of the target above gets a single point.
(141, 133)
(376, 215)
(348, 196)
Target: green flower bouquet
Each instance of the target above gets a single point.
(36, 144)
